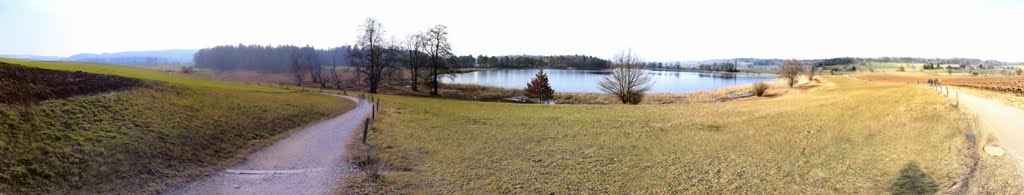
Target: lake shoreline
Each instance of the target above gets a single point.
(743, 71)
(585, 81)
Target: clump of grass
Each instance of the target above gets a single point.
(759, 88)
(362, 156)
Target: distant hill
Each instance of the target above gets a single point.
(145, 58)
(32, 57)
(159, 57)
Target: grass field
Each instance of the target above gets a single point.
(144, 139)
(849, 137)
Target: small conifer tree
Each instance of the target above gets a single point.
(538, 88)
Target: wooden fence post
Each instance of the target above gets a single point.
(366, 128)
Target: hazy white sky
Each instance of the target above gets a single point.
(656, 30)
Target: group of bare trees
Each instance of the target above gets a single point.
(305, 61)
(302, 60)
(790, 70)
(376, 57)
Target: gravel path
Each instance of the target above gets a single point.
(307, 162)
(1006, 121)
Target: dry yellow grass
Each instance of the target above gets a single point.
(846, 136)
(143, 140)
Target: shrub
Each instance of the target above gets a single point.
(187, 70)
(789, 70)
(538, 88)
(628, 81)
(759, 88)
(810, 72)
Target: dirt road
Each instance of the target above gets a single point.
(307, 162)
(1005, 121)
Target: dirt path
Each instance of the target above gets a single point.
(307, 162)
(1006, 122)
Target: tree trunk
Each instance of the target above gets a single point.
(434, 84)
(415, 77)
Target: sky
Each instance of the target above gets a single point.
(654, 30)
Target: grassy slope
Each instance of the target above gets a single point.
(853, 137)
(144, 139)
(135, 72)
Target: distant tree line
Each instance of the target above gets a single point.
(836, 61)
(934, 61)
(719, 67)
(558, 62)
(266, 59)
(664, 65)
(765, 62)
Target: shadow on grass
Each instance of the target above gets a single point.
(913, 180)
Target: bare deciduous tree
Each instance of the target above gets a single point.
(335, 73)
(315, 68)
(414, 57)
(440, 56)
(810, 72)
(302, 59)
(790, 70)
(628, 81)
(373, 53)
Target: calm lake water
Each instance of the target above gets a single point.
(586, 80)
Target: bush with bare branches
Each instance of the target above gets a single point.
(790, 70)
(628, 81)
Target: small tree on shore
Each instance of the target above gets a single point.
(790, 70)
(628, 81)
(810, 72)
(439, 57)
(538, 88)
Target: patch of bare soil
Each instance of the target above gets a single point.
(25, 85)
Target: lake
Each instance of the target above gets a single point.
(586, 80)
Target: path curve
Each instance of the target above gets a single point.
(1005, 121)
(308, 161)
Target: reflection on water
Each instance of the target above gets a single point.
(718, 75)
(586, 80)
